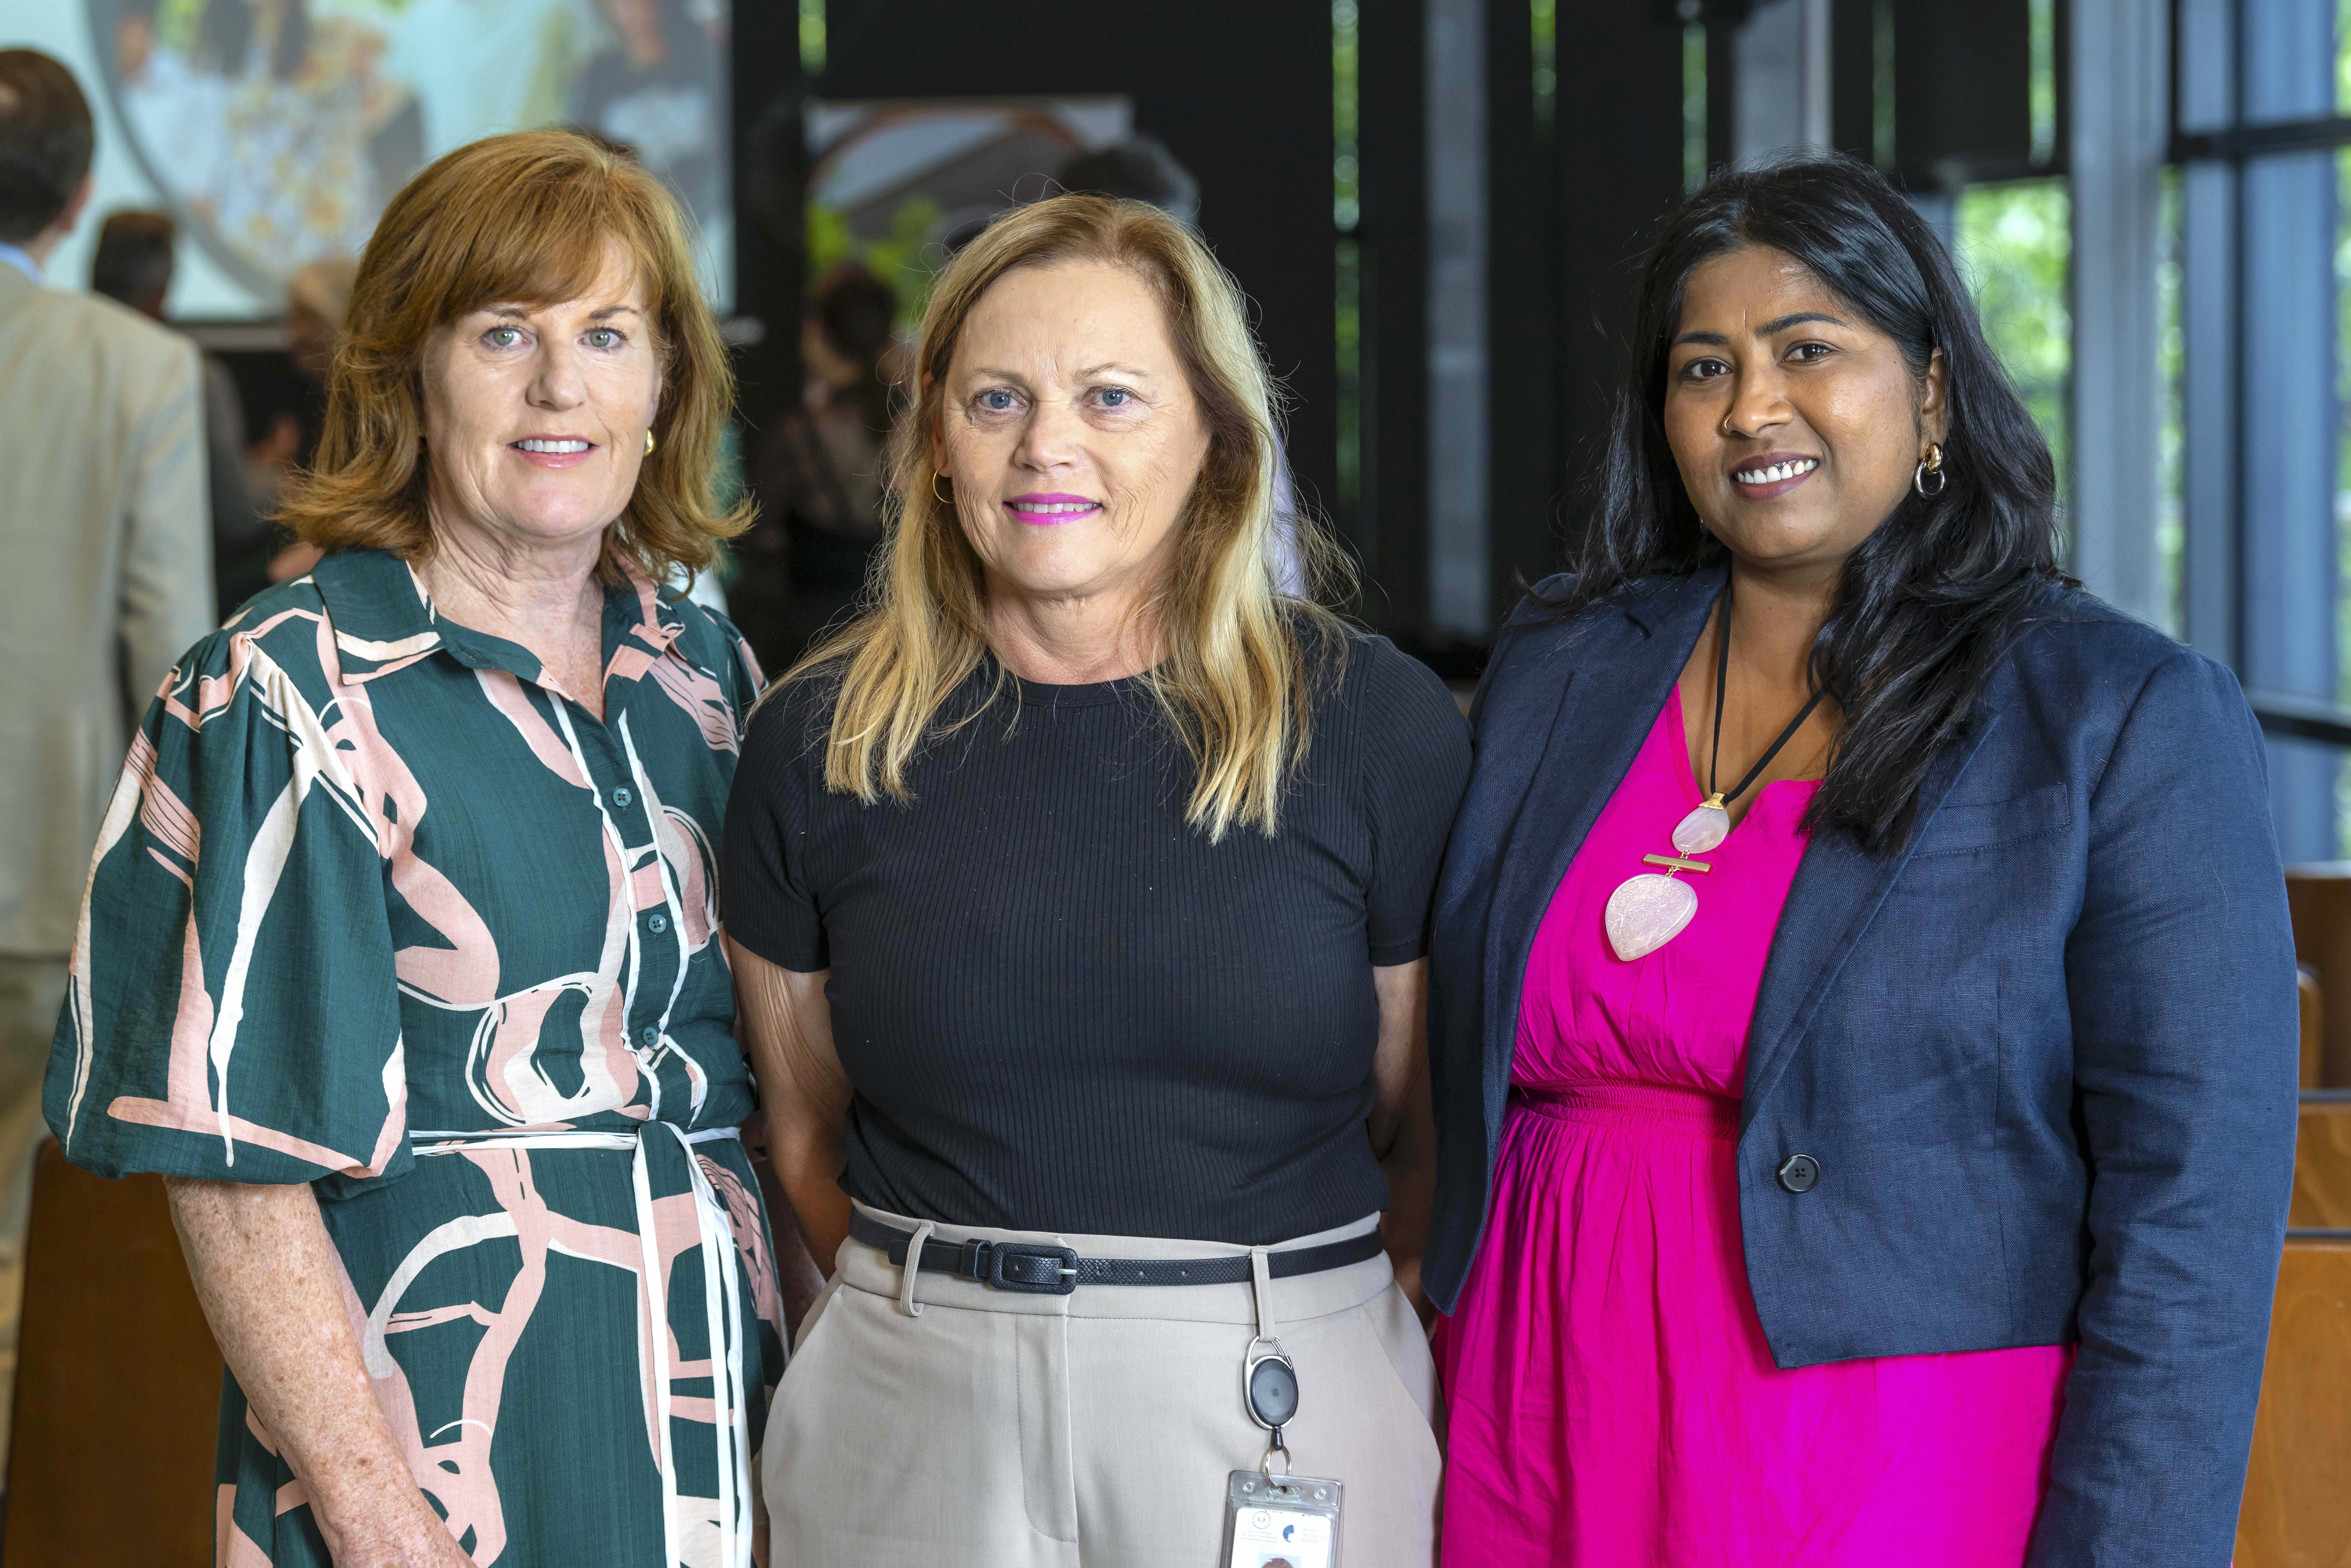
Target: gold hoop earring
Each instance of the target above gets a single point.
(1931, 468)
(649, 443)
(942, 499)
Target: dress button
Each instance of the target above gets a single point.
(622, 796)
(1799, 1172)
(651, 1037)
(658, 924)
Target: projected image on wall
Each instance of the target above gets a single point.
(277, 129)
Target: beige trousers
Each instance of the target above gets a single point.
(1094, 1430)
(32, 990)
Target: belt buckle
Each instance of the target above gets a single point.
(1031, 1269)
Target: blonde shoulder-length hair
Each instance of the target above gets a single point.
(1241, 658)
(522, 219)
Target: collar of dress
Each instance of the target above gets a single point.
(384, 621)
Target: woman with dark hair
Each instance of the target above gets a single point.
(819, 475)
(1863, 1010)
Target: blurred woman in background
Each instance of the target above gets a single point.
(818, 474)
(133, 263)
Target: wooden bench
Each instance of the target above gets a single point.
(118, 1383)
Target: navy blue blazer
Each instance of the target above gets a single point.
(2044, 1055)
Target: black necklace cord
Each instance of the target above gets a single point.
(1715, 796)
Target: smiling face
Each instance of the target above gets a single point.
(1069, 433)
(1796, 425)
(534, 416)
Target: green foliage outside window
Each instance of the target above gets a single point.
(2015, 245)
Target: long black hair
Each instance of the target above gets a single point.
(1935, 596)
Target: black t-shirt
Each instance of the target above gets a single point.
(1063, 1009)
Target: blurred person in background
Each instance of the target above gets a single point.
(104, 535)
(653, 91)
(433, 1041)
(133, 263)
(1139, 169)
(818, 474)
(317, 299)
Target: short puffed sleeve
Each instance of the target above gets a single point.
(234, 1015)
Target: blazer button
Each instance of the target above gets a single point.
(1799, 1172)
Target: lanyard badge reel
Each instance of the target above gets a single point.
(1276, 1521)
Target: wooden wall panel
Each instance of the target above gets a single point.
(2297, 1511)
(118, 1383)
(2319, 895)
(2322, 1175)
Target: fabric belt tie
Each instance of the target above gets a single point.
(1034, 1268)
(723, 1304)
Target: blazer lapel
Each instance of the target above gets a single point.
(1837, 892)
(1617, 674)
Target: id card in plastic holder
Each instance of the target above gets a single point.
(1280, 1521)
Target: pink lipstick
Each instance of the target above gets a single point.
(1045, 510)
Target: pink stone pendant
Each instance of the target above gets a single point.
(1647, 911)
(1703, 829)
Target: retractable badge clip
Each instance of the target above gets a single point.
(1269, 1384)
(1288, 1518)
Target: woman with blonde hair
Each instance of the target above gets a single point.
(397, 960)
(1078, 892)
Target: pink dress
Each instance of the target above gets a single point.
(1612, 1398)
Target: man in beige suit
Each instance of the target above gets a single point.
(106, 564)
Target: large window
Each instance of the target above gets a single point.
(2263, 147)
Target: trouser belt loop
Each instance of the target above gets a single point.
(906, 1301)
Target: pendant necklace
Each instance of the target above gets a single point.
(1649, 909)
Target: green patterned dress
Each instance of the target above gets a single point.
(376, 907)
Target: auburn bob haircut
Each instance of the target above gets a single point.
(524, 219)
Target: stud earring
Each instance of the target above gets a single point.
(649, 443)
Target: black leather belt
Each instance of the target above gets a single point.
(1034, 1269)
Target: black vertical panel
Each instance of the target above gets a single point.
(2061, 69)
(1522, 314)
(1963, 90)
(1853, 77)
(1620, 170)
(1721, 84)
(1238, 90)
(767, 87)
(1392, 515)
